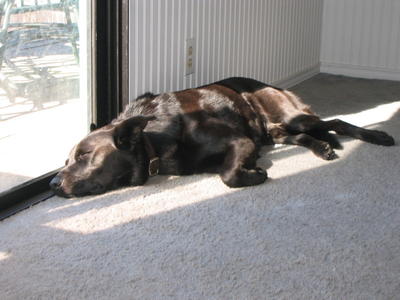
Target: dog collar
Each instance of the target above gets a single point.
(154, 160)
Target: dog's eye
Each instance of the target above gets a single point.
(82, 155)
(66, 162)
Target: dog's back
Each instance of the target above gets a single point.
(247, 105)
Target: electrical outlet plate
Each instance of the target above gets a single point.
(189, 56)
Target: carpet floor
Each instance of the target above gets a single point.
(314, 230)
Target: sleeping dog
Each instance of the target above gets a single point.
(217, 128)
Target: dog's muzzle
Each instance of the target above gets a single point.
(56, 183)
(56, 186)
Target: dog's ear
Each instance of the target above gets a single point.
(127, 133)
(93, 127)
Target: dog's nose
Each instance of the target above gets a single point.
(55, 183)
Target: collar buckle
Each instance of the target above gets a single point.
(154, 166)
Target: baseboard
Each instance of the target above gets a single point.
(298, 77)
(360, 71)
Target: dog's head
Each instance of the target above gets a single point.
(107, 158)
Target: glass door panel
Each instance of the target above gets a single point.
(45, 84)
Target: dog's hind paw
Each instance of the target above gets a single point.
(325, 151)
(380, 138)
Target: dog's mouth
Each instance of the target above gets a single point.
(77, 189)
(122, 180)
(76, 194)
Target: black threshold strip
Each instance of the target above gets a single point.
(25, 195)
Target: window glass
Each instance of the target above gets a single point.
(45, 89)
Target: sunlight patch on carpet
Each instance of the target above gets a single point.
(143, 206)
(378, 114)
(302, 161)
(4, 255)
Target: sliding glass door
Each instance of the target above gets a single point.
(45, 84)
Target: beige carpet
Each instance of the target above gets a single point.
(315, 230)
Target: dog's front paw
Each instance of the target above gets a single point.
(245, 177)
(256, 176)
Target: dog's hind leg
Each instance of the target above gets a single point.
(321, 149)
(311, 125)
(371, 136)
(326, 137)
(316, 127)
(281, 134)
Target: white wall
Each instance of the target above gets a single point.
(276, 41)
(361, 38)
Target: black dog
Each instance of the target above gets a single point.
(215, 128)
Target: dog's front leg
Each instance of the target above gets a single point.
(241, 152)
